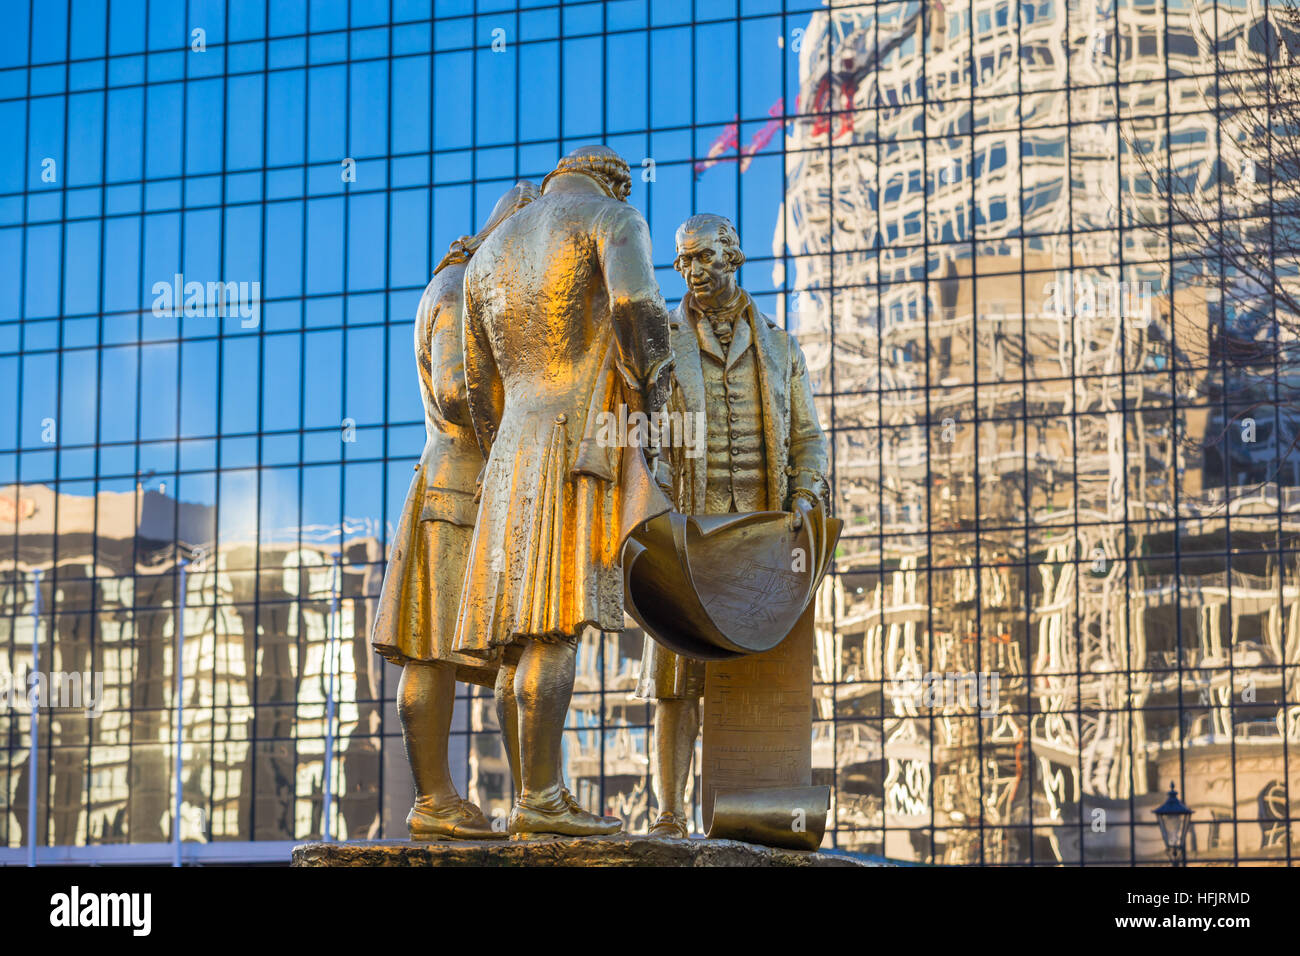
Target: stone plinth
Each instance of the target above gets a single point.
(621, 850)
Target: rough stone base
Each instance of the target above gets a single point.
(621, 850)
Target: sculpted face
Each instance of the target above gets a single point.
(709, 273)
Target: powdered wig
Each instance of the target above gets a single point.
(600, 163)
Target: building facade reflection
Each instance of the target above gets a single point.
(1063, 583)
(256, 625)
(1025, 450)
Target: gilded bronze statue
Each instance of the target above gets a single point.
(564, 323)
(766, 452)
(530, 519)
(416, 618)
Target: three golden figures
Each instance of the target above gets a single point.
(586, 451)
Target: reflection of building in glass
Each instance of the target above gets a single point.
(258, 629)
(1025, 442)
(257, 623)
(1018, 462)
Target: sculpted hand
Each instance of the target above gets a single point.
(663, 476)
(806, 514)
(800, 507)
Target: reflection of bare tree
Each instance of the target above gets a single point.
(1236, 224)
(1019, 451)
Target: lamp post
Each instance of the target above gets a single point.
(1175, 820)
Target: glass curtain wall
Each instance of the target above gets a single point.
(1067, 578)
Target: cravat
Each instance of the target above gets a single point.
(723, 320)
(723, 326)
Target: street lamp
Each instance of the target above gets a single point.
(1175, 819)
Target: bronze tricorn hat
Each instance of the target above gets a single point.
(715, 587)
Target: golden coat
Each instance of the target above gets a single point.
(795, 445)
(563, 321)
(416, 617)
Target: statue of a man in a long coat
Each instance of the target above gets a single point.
(564, 323)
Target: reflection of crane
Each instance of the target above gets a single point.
(846, 60)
